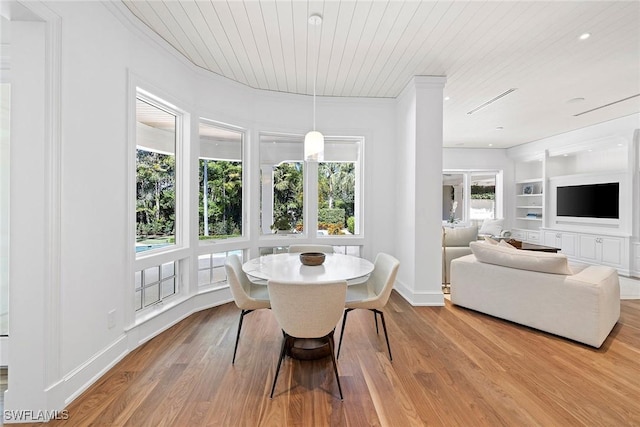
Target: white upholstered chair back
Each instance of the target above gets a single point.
(240, 285)
(307, 310)
(325, 249)
(380, 283)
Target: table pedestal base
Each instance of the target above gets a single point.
(307, 348)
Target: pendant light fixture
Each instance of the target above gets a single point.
(314, 140)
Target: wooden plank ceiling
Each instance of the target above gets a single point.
(372, 48)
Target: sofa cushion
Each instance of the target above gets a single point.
(492, 227)
(524, 260)
(460, 236)
(489, 240)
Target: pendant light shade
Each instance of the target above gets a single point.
(314, 146)
(314, 140)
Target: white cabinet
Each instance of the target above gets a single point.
(566, 242)
(590, 248)
(606, 250)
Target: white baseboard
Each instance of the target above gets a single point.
(74, 383)
(430, 298)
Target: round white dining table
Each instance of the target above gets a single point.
(287, 267)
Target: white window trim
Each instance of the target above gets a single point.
(310, 184)
(467, 174)
(245, 191)
(137, 88)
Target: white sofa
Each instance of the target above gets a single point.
(538, 290)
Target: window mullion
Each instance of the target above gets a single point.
(311, 199)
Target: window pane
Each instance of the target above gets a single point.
(336, 186)
(151, 275)
(151, 294)
(168, 269)
(168, 287)
(281, 173)
(155, 176)
(220, 182)
(483, 196)
(339, 187)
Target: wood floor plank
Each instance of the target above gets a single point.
(451, 367)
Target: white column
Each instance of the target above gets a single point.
(419, 196)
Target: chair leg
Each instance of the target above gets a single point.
(375, 316)
(344, 322)
(384, 326)
(235, 349)
(333, 360)
(282, 351)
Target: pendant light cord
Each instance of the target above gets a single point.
(315, 74)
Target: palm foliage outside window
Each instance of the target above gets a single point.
(220, 194)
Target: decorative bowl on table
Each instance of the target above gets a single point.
(312, 258)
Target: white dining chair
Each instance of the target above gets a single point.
(247, 296)
(325, 249)
(373, 294)
(307, 311)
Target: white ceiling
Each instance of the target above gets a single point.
(372, 48)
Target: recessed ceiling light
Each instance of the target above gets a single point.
(446, 98)
(575, 100)
(590, 150)
(565, 155)
(490, 145)
(499, 127)
(584, 36)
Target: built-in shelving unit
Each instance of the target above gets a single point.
(529, 200)
(598, 240)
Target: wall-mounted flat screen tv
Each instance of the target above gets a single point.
(589, 201)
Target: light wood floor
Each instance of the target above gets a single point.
(451, 367)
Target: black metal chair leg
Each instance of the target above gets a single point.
(384, 326)
(375, 316)
(335, 365)
(235, 349)
(282, 351)
(344, 322)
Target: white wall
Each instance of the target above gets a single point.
(101, 54)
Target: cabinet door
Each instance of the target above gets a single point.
(567, 242)
(588, 248)
(549, 238)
